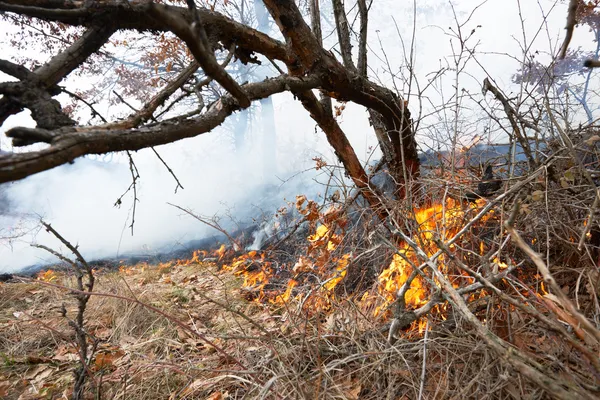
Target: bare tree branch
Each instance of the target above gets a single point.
(571, 22)
(69, 143)
(362, 39)
(343, 31)
(46, 77)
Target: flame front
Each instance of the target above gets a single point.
(441, 221)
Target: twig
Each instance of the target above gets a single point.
(424, 368)
(237, 246)
(125, 102)
(56, 254)
(548, 278)
(168, 169)
(82, 296)
(135, 175)
(91, 106)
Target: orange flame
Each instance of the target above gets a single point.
(441, 220)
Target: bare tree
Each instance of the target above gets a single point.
(303, 63)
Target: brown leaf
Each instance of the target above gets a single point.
(4, 389)
(303, 265)
(107, 360)
(538, 195)
(215, 396)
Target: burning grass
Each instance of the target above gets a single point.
(335, 322)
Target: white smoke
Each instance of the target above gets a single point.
(78, 199)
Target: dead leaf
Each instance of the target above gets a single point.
(303, 265)
(537, 196)
(215, 396)
(35, 371)
(107, 360)
(351, 388)
(4, 389)
(524, 209)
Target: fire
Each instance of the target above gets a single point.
(324, 236)
(221, 251)
(340, 272)
(48, 276)
(324, 262)
(255, 270)
(439, 220)
(312, 279)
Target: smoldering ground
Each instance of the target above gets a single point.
(79, 199)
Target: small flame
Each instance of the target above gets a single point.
(48, 276)
(221, 251)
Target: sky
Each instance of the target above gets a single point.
(78, 200)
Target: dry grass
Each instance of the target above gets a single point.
(283, 353)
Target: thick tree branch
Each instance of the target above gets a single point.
(69, 143)
(143, 16)
(71, 58)
(315, 19)
(571, 22)
(344, 84)
(338, 140)
(297, 33)
(363, 11)
(38, 86)
(343, 31)
(16, 71)
(45, 110)
(315, 22)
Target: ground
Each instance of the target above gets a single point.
(189, 331)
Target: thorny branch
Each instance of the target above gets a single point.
(82, 294)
